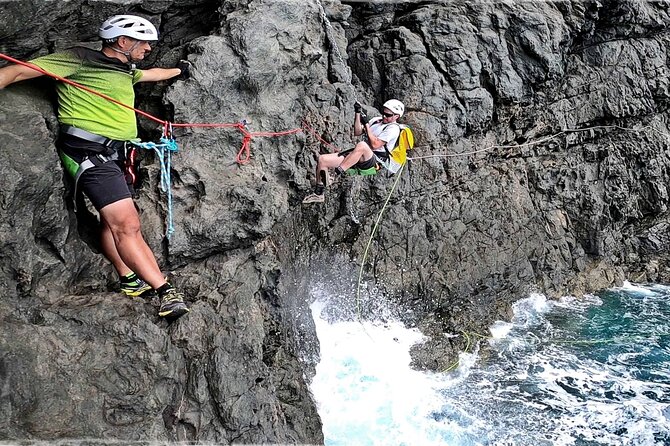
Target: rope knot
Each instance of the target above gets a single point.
(170, 144)
(244, 155)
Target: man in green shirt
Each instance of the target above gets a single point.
(94, 130)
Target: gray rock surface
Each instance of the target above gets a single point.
(542, 165)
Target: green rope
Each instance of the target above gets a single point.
(455, 364)
(467, 347)
(367, 247)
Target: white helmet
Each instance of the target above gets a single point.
(131, 26)
(395, 106)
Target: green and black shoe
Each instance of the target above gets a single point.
(172, 304)
(132, 285)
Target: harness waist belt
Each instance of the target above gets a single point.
(88, 136)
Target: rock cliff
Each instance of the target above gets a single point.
(541, 164)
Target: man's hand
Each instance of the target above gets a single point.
(364, 119)
(357, 107)
(185, 67)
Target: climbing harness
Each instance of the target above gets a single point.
(88, 136)
(163, 150)
(364, 172)
(76, 170)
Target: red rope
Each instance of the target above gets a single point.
(244, 154)
(206, 125)
(316, 135)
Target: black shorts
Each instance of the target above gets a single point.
(104, 184)
(363, 165)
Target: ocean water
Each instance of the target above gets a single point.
(585, 371)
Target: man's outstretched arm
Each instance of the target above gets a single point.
(159, 74)
(182, 70)
(16, 73)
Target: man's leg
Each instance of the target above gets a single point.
(324, 162)
(129, 283)
(110, 252)
(362, 152)
(121, 224)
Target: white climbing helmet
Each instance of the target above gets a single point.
(131, 26)
(395, 106)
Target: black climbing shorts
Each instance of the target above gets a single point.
(104, 184)
(361, 165)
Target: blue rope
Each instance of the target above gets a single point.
(164, 151)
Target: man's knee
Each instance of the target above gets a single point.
(362, 147)
(126, 227)
(361, 152)
(328, 160)
(121, 217)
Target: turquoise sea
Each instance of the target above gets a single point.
(588, 370)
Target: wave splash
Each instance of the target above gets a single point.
(593, 370)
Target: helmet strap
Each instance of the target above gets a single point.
(127, 53)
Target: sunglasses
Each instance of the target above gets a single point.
(388, 115)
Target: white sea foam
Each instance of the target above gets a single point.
(366, 391)
(547, 380)
(500, 329)
(633, 288)
(529, 311)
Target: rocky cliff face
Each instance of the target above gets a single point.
(542, 164)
